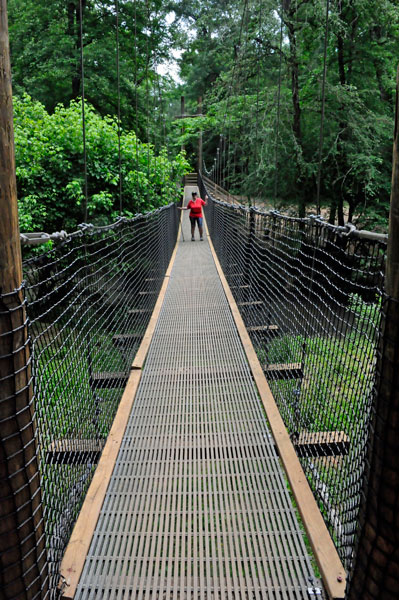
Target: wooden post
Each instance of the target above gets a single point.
(375, 575)
(200, 138)
(23, 563)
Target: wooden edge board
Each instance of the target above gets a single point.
(330, 565)
(75, 554)
(145, 344)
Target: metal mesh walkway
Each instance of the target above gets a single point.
(197, 507)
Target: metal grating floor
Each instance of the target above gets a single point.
(197, 507)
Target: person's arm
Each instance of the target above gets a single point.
(206, 201)
(184, 207)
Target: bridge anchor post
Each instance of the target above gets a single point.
(375, 575)
(23, 560)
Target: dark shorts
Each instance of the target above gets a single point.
(195, 220)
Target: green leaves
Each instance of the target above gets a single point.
(50, 173)
(232, 56)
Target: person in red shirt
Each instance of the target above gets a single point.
(195, 205)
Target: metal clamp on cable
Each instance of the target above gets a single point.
(34, 239)
(39, 237)
(351, 228)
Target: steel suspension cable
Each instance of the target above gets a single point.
(82, 71)
(323, 106)
(119, 105)
(257, 99)
(135, 93)
(163, 142)
(232, 86)
(276, 146)
(244, 66)
(238, 64)
(147, 93)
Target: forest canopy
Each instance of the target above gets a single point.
(259, 67)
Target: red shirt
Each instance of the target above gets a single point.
(196, 207)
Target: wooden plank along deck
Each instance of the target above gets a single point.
(197, 506)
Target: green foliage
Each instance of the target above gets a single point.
(49, 158)
(45, 51)
(232, 57)
(338, 373)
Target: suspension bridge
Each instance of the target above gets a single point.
(197, 420)
(197, 483)
(221, 389)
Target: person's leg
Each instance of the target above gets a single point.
(192, 221)
(200, 227)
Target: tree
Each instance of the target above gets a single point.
(48, 66)
(50, 173)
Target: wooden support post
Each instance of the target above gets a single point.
(23, 563)
(375, 575)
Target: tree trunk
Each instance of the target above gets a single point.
(341, 61)
(376, 34)
(340, 212)
(376, 568)
(23, 563)
(333, 212)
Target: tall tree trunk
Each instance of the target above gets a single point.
(376, 35)
(340, 211)
(333, 212)
(23, 561)
(376, 567)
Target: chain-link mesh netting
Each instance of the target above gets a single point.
(89, 301)
(310, 295)
(23, 560)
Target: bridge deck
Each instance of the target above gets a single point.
(197, 506)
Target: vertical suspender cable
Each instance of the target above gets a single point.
(82, 70)
(163, 143)
(323, 107)
(221, 159)
(147, 88)
(232, 87)
(135, 90)
(118, 76)
(245, 67)
(257, 103)
(276, 147)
